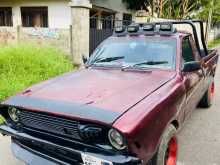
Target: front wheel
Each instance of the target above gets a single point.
(168, 148)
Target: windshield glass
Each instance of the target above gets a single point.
(149, 52)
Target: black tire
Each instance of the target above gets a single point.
(207, 99)
(162, 156)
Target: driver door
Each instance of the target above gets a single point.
(192, 80)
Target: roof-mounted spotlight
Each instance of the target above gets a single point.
(149, 29)
(120, 29)
(133, 28)
(167, 28)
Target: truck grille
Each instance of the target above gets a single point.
(50, 124)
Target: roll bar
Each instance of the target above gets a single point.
(192, 24)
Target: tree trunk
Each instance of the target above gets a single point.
(161, 8)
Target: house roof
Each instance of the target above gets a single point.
(103, 9)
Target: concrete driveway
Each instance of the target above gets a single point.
(199, 140)
(6, 157)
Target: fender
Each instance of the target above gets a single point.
(154, 113)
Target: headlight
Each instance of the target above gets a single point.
(13, 113)
(116, 139)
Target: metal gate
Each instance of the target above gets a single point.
(100, 29)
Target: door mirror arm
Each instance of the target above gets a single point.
(192, 66)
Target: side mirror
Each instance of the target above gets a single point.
(192, 66)
(85, 59)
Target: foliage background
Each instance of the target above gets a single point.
(178, 9)
(24, 65)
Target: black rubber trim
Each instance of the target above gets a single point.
(63, 108)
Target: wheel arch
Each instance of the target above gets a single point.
(176, 124)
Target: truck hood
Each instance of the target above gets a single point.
(92, 92)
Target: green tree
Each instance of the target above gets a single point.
(204, 10)
(141, 4)
(137, 4)
(172, 9)
(178, 9)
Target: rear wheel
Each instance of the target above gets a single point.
(168, 149)
(207, 99)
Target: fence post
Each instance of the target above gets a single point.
(80, 11)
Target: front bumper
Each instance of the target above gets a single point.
(33, 150)
(29, 157)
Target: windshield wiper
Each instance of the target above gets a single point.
(108, 59)
(151, 63)
(137, 65)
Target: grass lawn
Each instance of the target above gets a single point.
(24, 65)
(214, 43)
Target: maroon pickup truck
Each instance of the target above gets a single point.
(124, 108)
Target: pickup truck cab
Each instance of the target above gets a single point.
(124, 108)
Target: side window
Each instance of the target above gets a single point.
(187, 51)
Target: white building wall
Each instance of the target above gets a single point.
(59, 12)
(60, 15)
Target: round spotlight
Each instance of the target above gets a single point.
(116, 139)
(13, 113)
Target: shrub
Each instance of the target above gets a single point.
(1, 120)
(214, 43)
(24, 65)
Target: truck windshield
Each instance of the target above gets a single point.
(138, 52)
